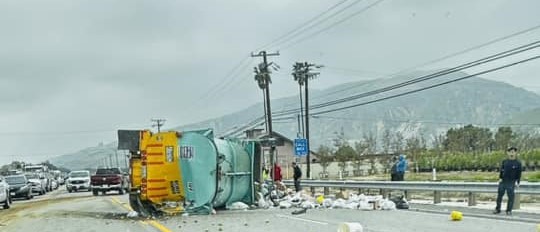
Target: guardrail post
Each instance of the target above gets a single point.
(326, 191)
(517, 201)
(472, 199)
(312, 190)
(436, 197)
(383, 192)
(406, 195)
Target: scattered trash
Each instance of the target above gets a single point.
(327, 203)
(350, 227)
(388, 205)
(284, 205)
(307, 205)
(364, 205)
(339, 204)
(300, 211)
(238, 206)
(401, 202)
(456, 216)
(132, 214)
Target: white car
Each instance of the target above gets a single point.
(5, 198)
(38, 181)
(78, 180)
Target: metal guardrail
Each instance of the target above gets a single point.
(473, 187)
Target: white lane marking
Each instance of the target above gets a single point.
(301, 219)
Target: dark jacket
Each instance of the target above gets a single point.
(297, 173)
(510, 171)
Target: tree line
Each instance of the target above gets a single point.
(463, 148)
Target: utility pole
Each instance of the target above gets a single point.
(302, 73)
(116, 155)
(262, 76)
(158, 123)
(110, 161)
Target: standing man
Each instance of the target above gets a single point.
(393, 169)
(401, 167)
(297, 175)
(509, 178)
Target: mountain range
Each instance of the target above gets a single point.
(428, 113)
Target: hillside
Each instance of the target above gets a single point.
(473, 101)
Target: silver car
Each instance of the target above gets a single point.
(5, 197)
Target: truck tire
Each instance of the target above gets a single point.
(95, 192)
(121, 191)
(29, 195)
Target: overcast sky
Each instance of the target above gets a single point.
(72, 72)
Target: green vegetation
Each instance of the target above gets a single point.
(468, 176)
(469, 148)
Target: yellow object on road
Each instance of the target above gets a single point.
(456, 215)
(320, 199)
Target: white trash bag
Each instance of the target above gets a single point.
(238, 206)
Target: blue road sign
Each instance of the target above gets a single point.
(300, 147)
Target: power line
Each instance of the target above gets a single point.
(426, 121)
(491, 58)
(426, 88)
(433, 61)
(224, 80)
(332, 25)
(296, 29)
(499, 39)
(437, 74)
(158, 123)
(423, 78)
(471, 48)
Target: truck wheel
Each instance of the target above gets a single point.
(69, 190)
(95, 192)
(104, 192)
(29, 195)
(121, 191)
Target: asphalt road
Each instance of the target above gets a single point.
(60, 211)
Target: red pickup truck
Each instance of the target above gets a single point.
(108, 179)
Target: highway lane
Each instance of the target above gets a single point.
(60, 211)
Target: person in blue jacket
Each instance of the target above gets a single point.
(509, 177)
(401, 167)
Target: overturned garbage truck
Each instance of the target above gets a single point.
(191, 171)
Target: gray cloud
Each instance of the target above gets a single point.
(88, 67)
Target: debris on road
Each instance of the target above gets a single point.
(350, 227)
(132, 214)
(238, 206)
(456, 216)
